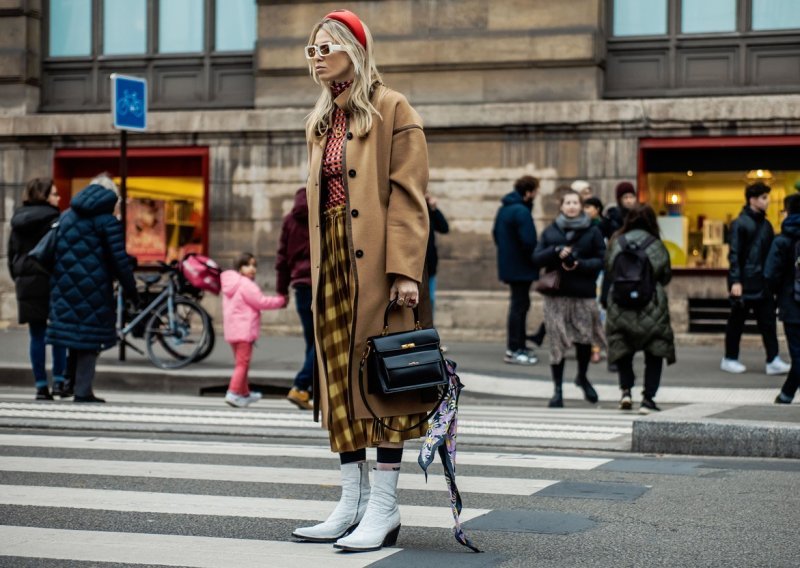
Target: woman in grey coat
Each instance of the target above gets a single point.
(647, 329)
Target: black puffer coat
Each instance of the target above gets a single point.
(90, 254)
(588, 248)
(28, 225)
(750, 238)
(648, 329)
(779, 269)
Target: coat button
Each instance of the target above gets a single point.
(352, 173)
(359, 253)
(354, 213)
(349, 135)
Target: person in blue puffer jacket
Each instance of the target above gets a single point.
(89, 256)
(782, 274)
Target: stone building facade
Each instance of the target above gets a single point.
(505, 87)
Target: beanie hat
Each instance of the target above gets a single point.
(594, 202)
(579, 185)
(352, 22)
(623, 188)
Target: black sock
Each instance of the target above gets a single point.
(353, 457)
(390, 455)
(583, 351)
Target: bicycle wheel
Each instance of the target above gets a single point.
(173, 347)
(208, 344)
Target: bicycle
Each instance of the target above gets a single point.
(178, 330)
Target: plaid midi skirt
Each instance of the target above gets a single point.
(335, 315)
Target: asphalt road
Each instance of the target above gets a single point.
(184, 499)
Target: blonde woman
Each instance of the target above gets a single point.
(368, 225)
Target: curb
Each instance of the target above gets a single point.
(716, 430)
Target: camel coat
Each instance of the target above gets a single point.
(386, 177)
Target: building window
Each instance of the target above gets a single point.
(194, 53)
(708, 16)
(702, 47)
(124, 27)
(235, 29)
(180, 26)
(71, 36)
(776, 14)
(637, 18)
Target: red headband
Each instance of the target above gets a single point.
(352, 22)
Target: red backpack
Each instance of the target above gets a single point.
(201, 272)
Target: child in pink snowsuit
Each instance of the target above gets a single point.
(242, 302)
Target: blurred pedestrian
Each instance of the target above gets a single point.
(515, 238)
(438, 224)
(750, 240)
(593, 207)
(573, 248)
(242, 304)
(584, 189)
(368, 174)
(29, 224)
(782, 274)
(89, 256)
(627, 198)
(643, 323)
(293, 267)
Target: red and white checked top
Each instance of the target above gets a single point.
(332, 160)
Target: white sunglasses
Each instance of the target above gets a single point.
(323, 49)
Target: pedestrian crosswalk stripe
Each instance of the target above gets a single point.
(256, 474)
(174, 550)
(214, 505)
(535, 461)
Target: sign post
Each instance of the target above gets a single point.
(128, 112)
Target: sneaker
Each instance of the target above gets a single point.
(783, 399)
(43, 393)
(237, 400)
(733, 366)
(626, 403)
(520, 357)
(254, 396)
(300, 398)
(648, 405)
(778, 366)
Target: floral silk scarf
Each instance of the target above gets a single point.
(442, 430)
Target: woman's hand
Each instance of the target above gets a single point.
(405, 291)
(565, 252)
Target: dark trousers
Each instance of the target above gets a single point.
(518, 314)
(81, 369)
(764, 311)
(38, 355)
(652, 373)
(792, 331)
(302, 295)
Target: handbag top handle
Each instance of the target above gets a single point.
(392, 304)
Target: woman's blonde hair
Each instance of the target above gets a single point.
(359, 106)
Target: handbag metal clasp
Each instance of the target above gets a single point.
(408, 345)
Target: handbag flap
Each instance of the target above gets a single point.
(405, 340)
(412, 359)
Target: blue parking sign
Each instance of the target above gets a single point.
(128, 102)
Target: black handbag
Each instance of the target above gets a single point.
(402, 362)
(44, 253)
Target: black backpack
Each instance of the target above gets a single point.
(632, 275)
(796, 287)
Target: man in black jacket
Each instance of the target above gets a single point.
(750, 240)
(515, 237)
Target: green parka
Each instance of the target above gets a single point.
(648, 329)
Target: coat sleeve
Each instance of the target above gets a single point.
(13, 250)
(282, 269)
(734, 254)
(257, 300)
(439, 222)
(545, 254)
(659, 257)
(594, 264)
(775, 265)
(120, 263)
(407, 220)
(526, 232)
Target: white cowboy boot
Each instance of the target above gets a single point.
(348, 512)
(381, 523)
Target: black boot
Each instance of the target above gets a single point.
(68, 388)
(538, 337)
(58, 389)
(558, 398)
(588, 390)
(557, 371)
(89, 398)
(43, 393)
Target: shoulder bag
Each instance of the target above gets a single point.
(402, 362)
(44, 253)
